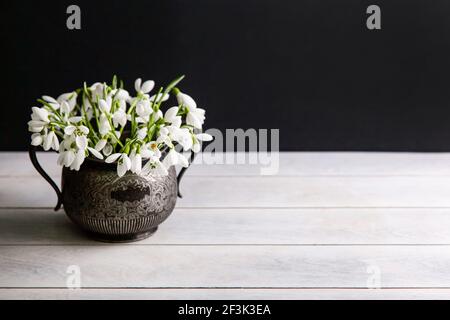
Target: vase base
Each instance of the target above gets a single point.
(121, 238)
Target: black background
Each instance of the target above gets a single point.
(310, 68)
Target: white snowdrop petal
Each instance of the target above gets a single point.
(84, 129)
(182, 160)
(36, 140)
(147, 86)
(184, 99)
(171, 113)
(81, 142)
(100, 144)
(122, 94)
(196, 147)
(95, 153)
(107, 150)
(126, 161)
(104, 106)
(49, 99)
(65, 108)
(138, 163)
(192, 120)
(137, 84)
(69, 130)
(121, 169)
(204, 137)
(113, 157)
(55, 143)
(75, 119)
(68, 158)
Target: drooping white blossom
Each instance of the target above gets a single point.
(196, 147)
(195, 116)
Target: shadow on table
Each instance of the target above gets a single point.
(39, 226)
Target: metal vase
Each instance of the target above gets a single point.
(112, 208)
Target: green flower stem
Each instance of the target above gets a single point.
(114, 132)
(88, 123)
(169, 88)
(51, 108)
(59, 134)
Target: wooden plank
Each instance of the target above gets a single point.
(248, 226)
(290, 164)
(219, 267)
(233, 294)
(404, 191)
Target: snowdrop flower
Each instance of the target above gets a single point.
(79, 130)
(172, 118)
(164, 137)
(40, 114)
(195, 116)
(81, 142)
(151, 150)
(157, 115)
(136, 162)
(143, 110)
(97, 90)
(196, 147)
(105, 105)
(122, 95)
(51, 101)
(51, 141)
(70, 98)
(75, 119)
(123, 162)
(119, 117)
(104, 126)
(66, 158)
(36, 139)
(183, 136)
(142, 88)
(154, 167)
(108, 149)
(67, 152)
(80, 155)
(35, 126)
(69, 155)
(174, 158)
(80, 133)
(39, 119)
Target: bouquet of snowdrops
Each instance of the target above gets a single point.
(105, 122)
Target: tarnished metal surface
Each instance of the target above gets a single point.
(113, 208)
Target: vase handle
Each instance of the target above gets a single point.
(182, 171)
(34, 161)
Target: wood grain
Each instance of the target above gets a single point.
(225, 294)
(220, 192)
(248, 226)
(309, 232)
(226, 266)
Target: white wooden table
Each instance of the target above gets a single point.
(328, 226)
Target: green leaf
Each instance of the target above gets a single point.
(114, 82)
(169, 88)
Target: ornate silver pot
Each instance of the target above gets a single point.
(111, 208)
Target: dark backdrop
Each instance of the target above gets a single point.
(310, 68)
